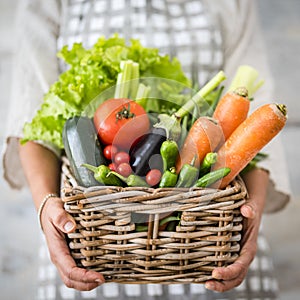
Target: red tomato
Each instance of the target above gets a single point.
(121, 157)
(110, 151)
(112, 167)
(120, 122)
(124, 169)
(153, 177)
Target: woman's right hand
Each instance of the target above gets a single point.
(56, 222)
(42, 169)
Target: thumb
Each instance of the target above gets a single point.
(63, 221)
(69, 225)
(248, 210)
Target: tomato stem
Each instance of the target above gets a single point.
(124, 113)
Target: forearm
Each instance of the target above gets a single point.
(42, 170)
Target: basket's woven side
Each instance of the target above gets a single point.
(119, 232)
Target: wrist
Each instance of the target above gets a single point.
(256, 182)
(42, 205)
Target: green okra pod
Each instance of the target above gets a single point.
(168, 219)
(102, 175)
(169, 152)
(188, 175)
(131, 180)
(168, 178)
(209, 160)
(141, 228)
(212, 177)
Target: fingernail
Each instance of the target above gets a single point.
(99, 281)
(216, 275)
(251, 211)
(250, 208)
(248, 211)
(209, 285)
(68, 226)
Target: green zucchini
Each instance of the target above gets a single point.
(82, 147)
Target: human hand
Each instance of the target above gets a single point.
(233, 275)
(56, 222)
(227, 278)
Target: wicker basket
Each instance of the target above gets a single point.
(207, 236)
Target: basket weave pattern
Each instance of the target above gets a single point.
(207, 235)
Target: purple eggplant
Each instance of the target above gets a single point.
(145, 153)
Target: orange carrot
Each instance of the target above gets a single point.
(249, 138)
(203, 137)
(232, 110)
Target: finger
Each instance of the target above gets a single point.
(230, 272)
(71, 275)
(230, 276)
(81, 279)
(223, 286)
(248, 210)
(61, 219)
(240, 266)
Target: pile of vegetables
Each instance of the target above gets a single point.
(129, 117)
(142, 151)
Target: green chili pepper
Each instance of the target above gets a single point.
(212, 177)
(141, 228)
(172, 226)
(168, 178)
(188, 175)
(184, 130)
(102, 175)
(168, 219)
(208, 161)
(132, 179)
(173, 221)
(169, 152)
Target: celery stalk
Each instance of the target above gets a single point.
(126, 79)
(142, 93)
(128, 85)
(118, 86)
(246, 76)
(135, 74)
(123, 79)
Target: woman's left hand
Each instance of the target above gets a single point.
(233, 275)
